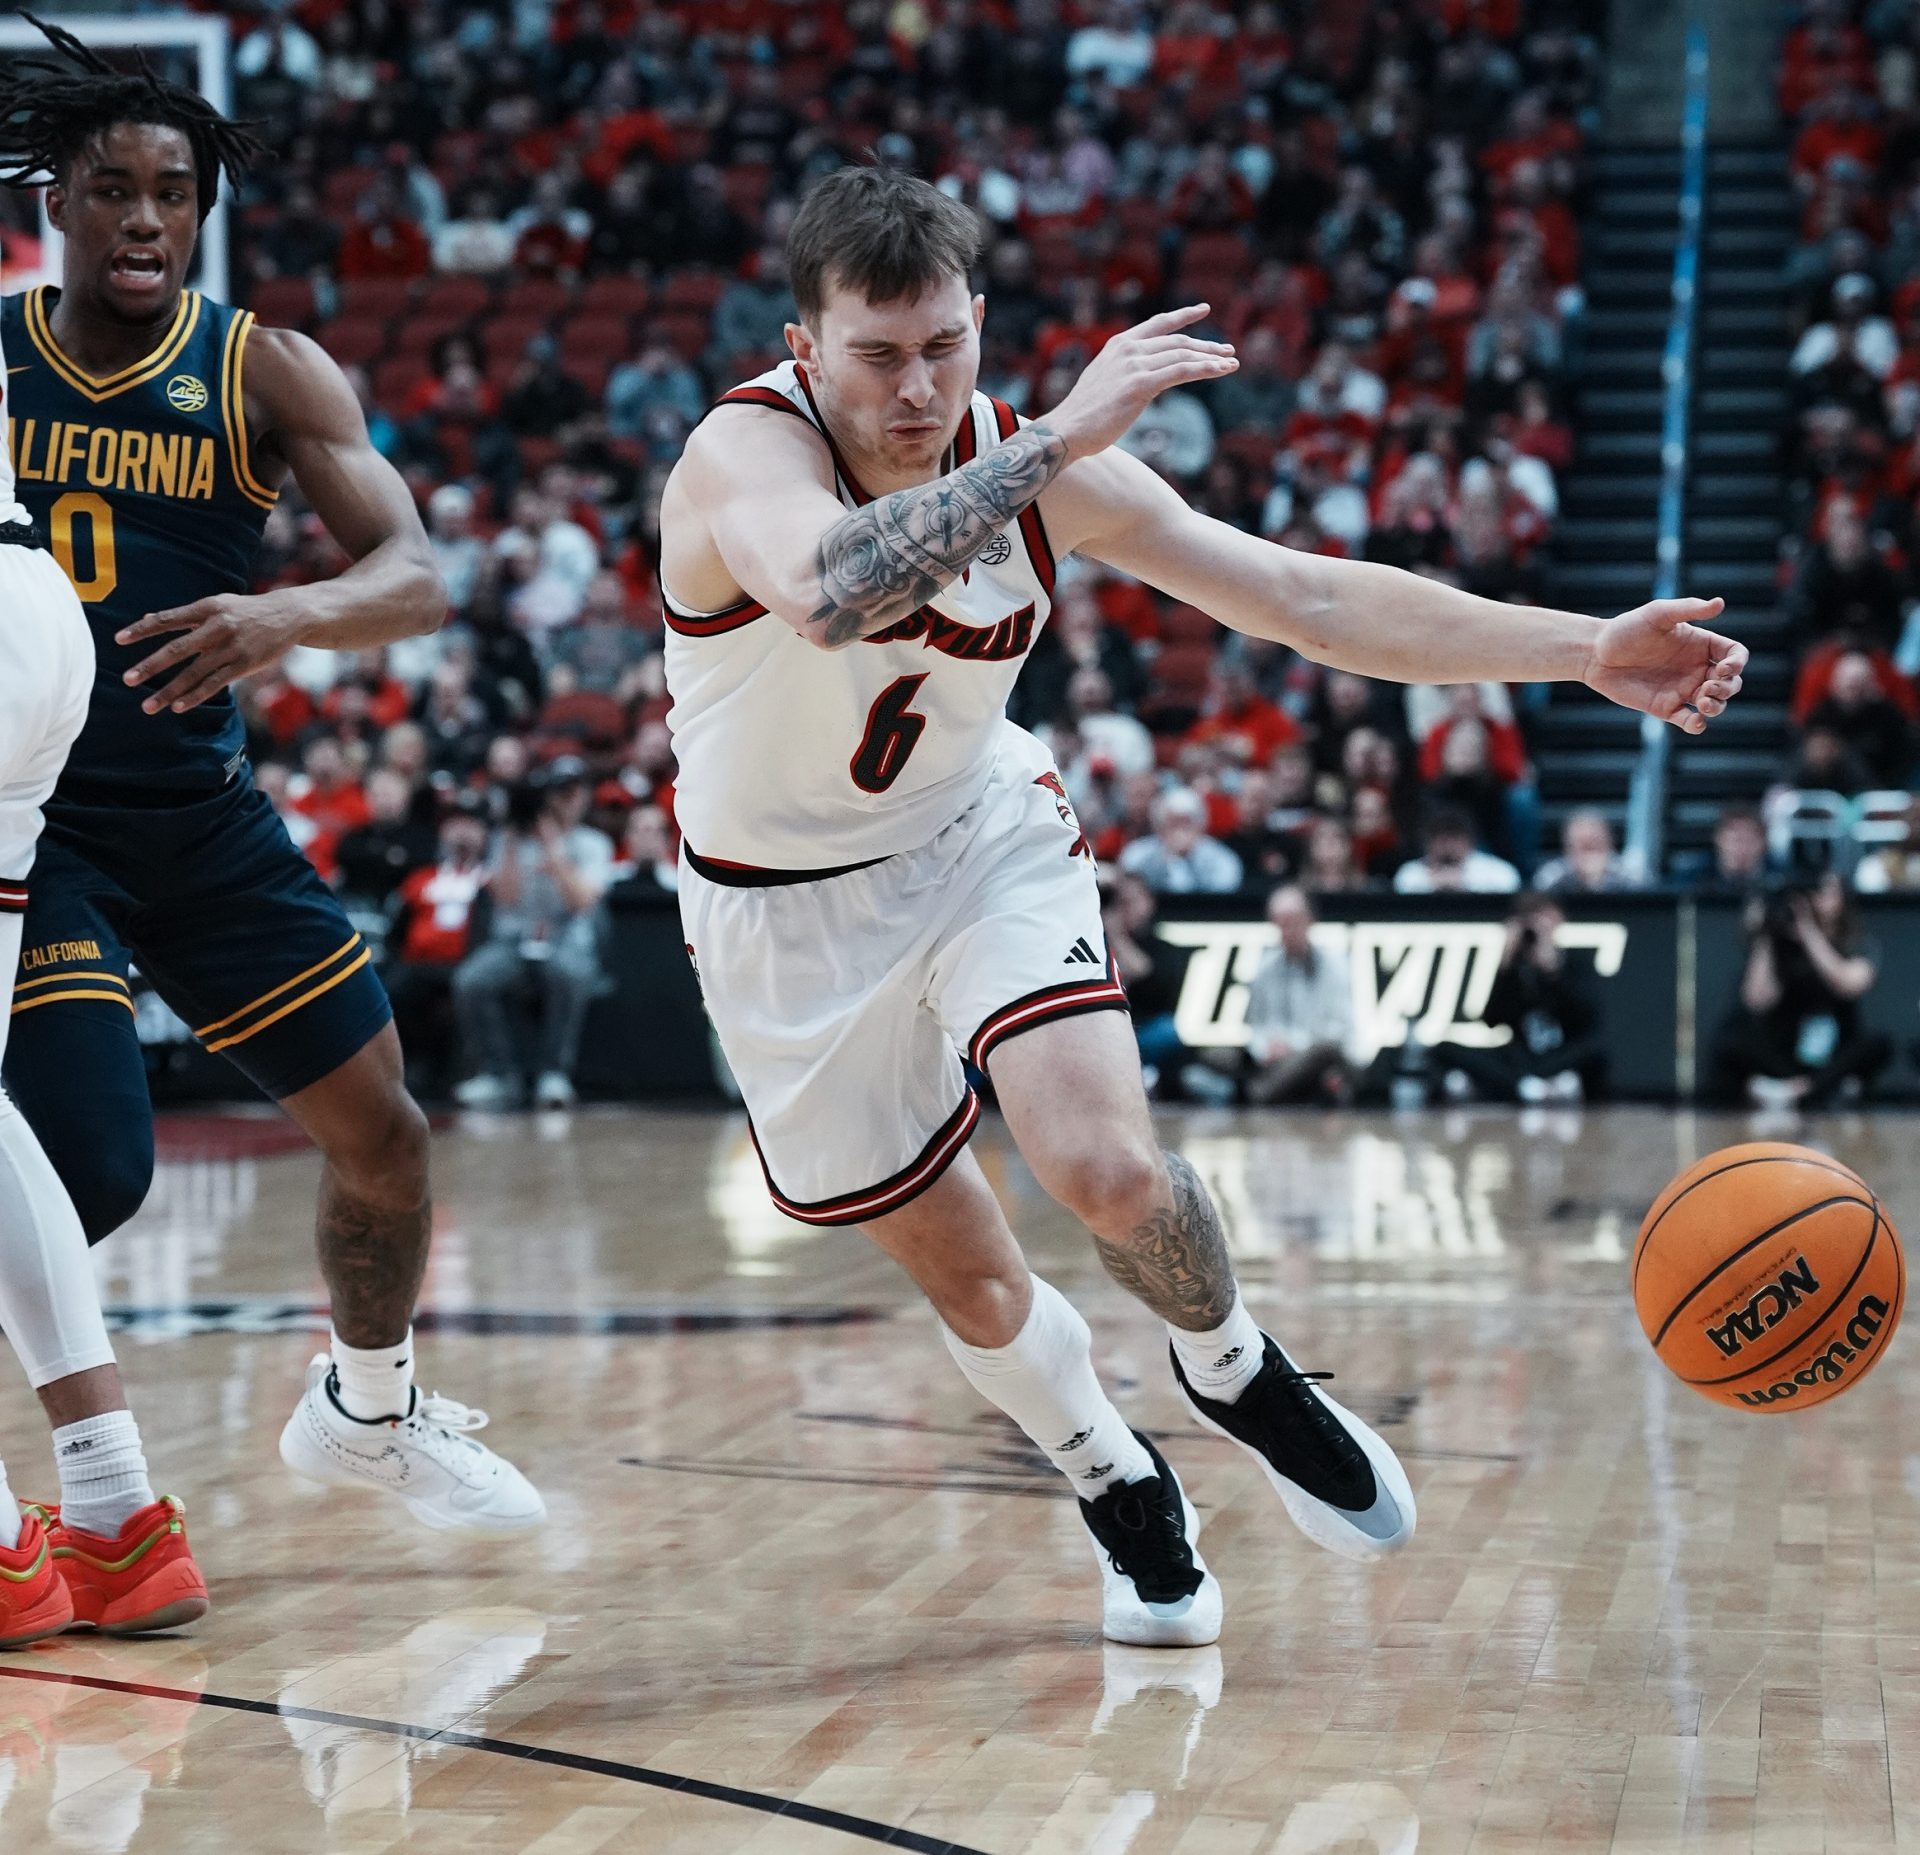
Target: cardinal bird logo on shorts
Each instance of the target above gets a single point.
(1080, 847)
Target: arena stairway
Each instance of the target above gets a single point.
(1604, 547)
(1735, 491)
(1602, 559)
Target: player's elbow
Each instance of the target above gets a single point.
(428, 602)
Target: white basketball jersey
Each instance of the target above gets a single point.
(796, 758)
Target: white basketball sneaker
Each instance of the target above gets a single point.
(1156, 1590)
(428, 1458)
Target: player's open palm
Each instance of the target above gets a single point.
(1133, 369)
(1660, 659)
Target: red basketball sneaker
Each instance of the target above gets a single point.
(33, 1596)
(143, 1579)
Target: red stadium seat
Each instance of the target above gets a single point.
(537, 453)
(1215, 251)
(1255, 450)
(394, 379)
(694, 289)
(586, 717)
(507, 334)
(602, 338)
(1186, 626)
(543, 297)
(375, 296)
(462, 298)
(803, 79)
(591, 370)
(686, 330)
(353, 340)
(283, 302)
(746, 188)
(341, 196)
(615, 296)
(416, 334)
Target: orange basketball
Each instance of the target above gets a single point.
(1768, 1277)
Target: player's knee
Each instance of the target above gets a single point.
(109, 1182)
(985, 1305)
(1112, 1190)
(383, 1158)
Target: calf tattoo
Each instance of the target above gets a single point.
(374, 1258)
(1176, 1262)
(887, 559)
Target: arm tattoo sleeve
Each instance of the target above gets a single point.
(1176, 1262)
(882, 561)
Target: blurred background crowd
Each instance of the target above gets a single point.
(542, 235)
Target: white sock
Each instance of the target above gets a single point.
(1044, 1381)
(374, 1382)
(9, 1514)
(103, 1473)
(1220, 1362)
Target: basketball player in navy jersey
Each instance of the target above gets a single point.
(152, 431)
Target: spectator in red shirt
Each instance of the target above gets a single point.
(376, 699)
(431, 933)
(330, 798)
(384, 242)
(1506, 752)
(1240, 720)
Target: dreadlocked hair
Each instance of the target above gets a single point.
(51, 108)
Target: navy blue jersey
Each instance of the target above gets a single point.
(143, 483)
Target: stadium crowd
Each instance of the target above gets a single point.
(1849, 89)
(543, 235)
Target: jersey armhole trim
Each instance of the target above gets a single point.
(233, 411)
(1033, 531)
(710, 624)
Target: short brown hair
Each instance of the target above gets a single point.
(880, 232)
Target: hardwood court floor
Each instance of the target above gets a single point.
(793, 1560)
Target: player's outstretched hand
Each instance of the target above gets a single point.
(1661, 659)
(219, 640)
(1134, 368)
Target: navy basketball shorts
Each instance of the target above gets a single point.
(222, 915)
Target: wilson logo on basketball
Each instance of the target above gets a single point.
(1767, 1309)
(1829, 1367)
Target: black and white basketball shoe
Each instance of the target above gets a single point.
(1156, 1590)
(1343, 1486)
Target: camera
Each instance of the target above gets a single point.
(1777, 918)
(526, 800)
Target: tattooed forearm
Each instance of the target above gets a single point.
(1176, 1262)
(374, 1258)
(882, 561)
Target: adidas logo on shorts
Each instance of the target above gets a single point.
(1082, 955)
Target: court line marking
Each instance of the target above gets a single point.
(767, 1805)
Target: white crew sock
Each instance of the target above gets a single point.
(1220, 1362)
(1044, 1380)
(374, 1382)
(9, 1514)
(103, 1473)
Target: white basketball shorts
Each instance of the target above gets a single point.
(46, 682)
(844, 1004)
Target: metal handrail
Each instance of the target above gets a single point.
(1647, 795)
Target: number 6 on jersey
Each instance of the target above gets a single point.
(893, 731)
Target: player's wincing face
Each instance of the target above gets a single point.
(129, 208)
(893, 379)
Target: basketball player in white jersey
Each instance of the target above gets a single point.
(882, 874)
(61, 1569)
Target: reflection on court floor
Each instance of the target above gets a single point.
(802, 1591)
